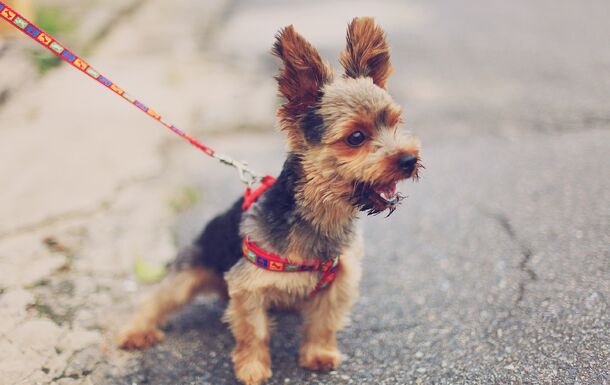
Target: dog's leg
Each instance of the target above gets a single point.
(175, 291)
(324, 315)
(250, 325)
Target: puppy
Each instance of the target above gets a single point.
(297, 246)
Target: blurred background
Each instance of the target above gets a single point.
(496, 269)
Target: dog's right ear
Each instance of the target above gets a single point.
(303, 75)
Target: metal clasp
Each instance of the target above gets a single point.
(246, 175)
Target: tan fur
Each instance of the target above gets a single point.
(250, 326)
(323, 197)
(367, 53)
(327, 313)
(356, 104)
(253, 291)
(392, 116)
(175, 291)
(322, 202)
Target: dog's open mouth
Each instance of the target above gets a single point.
(387, 193)
(376, 198)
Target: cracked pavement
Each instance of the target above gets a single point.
(495, 270)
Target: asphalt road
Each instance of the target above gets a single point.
(496, 270)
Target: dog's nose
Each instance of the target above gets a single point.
(407, 163)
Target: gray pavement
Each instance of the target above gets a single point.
(496, 269)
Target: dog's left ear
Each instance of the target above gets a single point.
(303, 75)
(367, 53)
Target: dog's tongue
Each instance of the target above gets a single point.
(387, 192)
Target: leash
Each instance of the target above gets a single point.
(31, 30)
(252, 252)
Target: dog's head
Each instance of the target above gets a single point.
(347, 129)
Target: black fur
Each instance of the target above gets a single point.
(312, 125)
(219, 245)
(279, 215)
(277, 207)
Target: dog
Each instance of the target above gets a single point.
(346, 153)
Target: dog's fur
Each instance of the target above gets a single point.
(309, 213)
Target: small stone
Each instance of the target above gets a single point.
(344, 377)
(510, 367)
(421, 370)
(419, 355)
(500, 333)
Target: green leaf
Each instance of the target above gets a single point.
(147, 272)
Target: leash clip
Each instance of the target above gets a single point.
(246, 175)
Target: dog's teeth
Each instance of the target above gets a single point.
(388, 195)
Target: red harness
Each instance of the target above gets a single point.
(269, 261)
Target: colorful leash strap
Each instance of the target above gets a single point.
(38, 35)
(272, 262)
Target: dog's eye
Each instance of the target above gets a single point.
(356, 139)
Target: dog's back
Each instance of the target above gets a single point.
(218, 247)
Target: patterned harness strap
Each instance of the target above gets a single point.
(272, 262)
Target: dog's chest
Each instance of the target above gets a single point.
(284, 290)
(279, 289)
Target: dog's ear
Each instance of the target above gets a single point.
(303, 75)
(367, 53)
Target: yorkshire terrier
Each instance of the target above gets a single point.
(346, 155)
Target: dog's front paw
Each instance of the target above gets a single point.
(252, 372)
(133, 339)
(319, 358)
